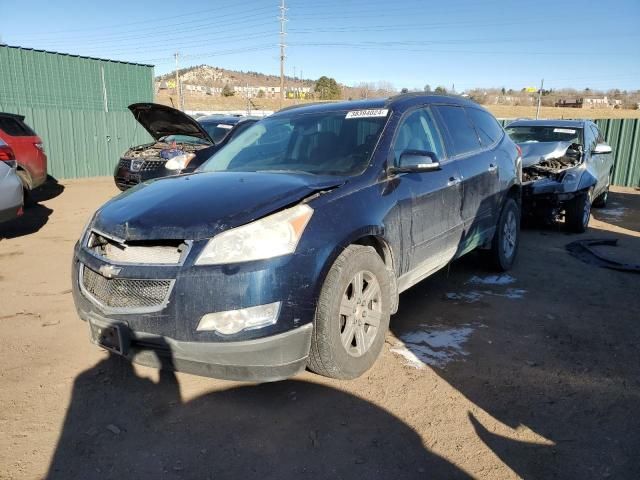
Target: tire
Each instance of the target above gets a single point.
(578, 212)
(601, 200)
(25, 178)
(506, 240)
(345, 345)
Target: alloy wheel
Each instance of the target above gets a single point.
(360, 313)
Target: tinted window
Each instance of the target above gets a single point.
(538, 133)
(463, 135)
(418, 132)
(488, 128)
(14, 127)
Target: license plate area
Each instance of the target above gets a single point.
(133, 178)
(110, 336)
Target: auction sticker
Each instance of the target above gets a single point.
(225, 126)
(371, 113)
(564, 130)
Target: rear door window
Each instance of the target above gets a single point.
(488, 128)
(15, 128)
(463, 136)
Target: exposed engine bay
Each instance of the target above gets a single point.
(155, 150)
(549, 159)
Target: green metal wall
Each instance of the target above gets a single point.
(62, 98)
(624, 137)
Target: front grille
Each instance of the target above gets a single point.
(125, 293)
(149, 252)
(146, 166)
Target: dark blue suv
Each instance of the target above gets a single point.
(290, 246)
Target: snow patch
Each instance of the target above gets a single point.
(434, 345)
(614, 212)
(477, 295)
(502, 279)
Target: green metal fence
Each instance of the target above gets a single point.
(77, 105)
(624, 137)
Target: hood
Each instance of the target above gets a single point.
(160, 121)
(199, 206)
(536, 152)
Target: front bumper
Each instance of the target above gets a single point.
(167, 336)
(265, 359)
(545, 197)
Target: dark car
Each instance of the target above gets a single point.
(181, 144)
(289, 248)
(567, 167)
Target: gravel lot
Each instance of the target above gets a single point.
(531, 375)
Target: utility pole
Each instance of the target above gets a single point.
(539, 98)
(178, 83)
(283, 46)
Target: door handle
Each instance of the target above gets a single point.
(453, 181)
(492, 167)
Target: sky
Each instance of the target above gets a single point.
(410, 43)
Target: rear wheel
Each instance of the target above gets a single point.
(578, 212)
(504, 246)
(352, 316)
(25, 178)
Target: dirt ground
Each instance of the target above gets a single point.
(531, 375)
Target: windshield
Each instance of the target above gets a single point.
(184, 139)
(327, 143)
(217, 130)
(538, 133)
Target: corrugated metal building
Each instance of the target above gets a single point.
(78, 106)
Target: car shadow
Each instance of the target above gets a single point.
(119, 425)
(35, 214)
(539, 350)
(621, 210)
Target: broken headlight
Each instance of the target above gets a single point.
(270, 237)
(179, 162)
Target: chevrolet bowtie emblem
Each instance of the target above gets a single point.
(109, 271)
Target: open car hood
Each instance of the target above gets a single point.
(536, 152)
(160, 121)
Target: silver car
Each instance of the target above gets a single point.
(10, 185)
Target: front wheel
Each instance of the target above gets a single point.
(506, 240)
(578, 212)
(352, 316)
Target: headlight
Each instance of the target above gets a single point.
(234, 321)
(179, 162)
(269, 237)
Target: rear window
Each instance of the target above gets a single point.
(488, 128)
(463, 135)
(15, 128)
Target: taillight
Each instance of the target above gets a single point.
(6, 153)
(39, 146)
(519, 150)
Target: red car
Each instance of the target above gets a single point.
(28, 149)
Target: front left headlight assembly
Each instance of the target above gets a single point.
(272, 236)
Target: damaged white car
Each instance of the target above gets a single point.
(566, 168)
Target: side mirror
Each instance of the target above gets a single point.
(602, 148)
(416, 161)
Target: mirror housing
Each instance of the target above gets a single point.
(416, 161)
(602, 148)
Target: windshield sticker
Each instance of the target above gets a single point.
(564, 130)
(225, 126)
(372, 113)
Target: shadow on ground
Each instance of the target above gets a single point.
(35, 214)
(119, 425)
(563, 359)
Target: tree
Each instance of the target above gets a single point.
(227, 91)
(261, 93)
(503, 91)
(427, 88)
(440, 90)
(327, 88)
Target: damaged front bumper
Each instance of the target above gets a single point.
(167, 335)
